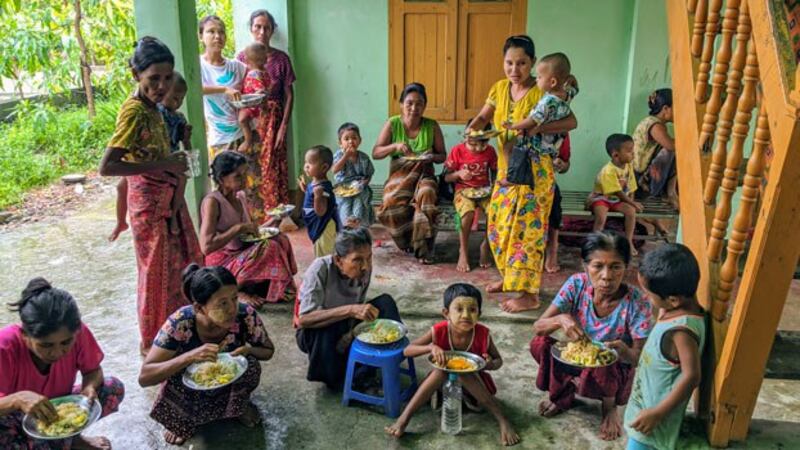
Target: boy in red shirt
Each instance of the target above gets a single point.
(470, 166)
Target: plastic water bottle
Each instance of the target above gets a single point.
(451, 407)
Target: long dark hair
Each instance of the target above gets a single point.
(522, 41)
(225, 164)
(419, 88)
(658, 100)
(149, 51)
(43, 309)
(200, 283)
(263, 12)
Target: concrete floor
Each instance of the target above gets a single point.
(73, 254)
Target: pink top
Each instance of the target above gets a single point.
(229, 216)
(18, 372)
(279, 69)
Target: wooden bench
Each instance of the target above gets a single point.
(572, 205)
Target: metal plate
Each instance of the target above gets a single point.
(248, 100)
(30, 427)
(556, 349)
(479, 363)
(477, 193)
(421, 157)
(281, 211)
(240, 362)
(351, 189)
(364, 331)
(264, 234)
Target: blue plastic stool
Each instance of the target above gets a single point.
(388, 359)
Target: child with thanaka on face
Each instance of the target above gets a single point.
(459, 331)
(615, 186)
(319, 205)
(353, 166)
(669, 364)
(554, 78)
(180, 133)
(256, 81)
(471, 165)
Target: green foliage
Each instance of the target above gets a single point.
(45, 142)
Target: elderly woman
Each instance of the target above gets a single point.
(518, 214)
(39, 360)
(595, 305)
(269, 161)
(140, 151)
(332, 300)
(409, 207)
(264, 270)
(214, 323)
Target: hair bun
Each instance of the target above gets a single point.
(35, 287)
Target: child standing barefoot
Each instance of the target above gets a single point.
(669, 365)
(353, 166)
(319, 205)
(179, 131)
(255, 82)
(460, 331)
(614, 187)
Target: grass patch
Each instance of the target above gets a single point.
(46, 142)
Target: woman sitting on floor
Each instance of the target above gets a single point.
(215, 322)
(39, 360)
(264, 270)
(595, 305)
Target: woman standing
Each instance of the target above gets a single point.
(414, 144)
(518, 214)
(152, 179)
(654, 149)
(271, 173)
(222, 81)
(215, 322)
(264, 270)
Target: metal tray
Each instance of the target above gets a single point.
(361, 331)
(479, 362)
(240, 362)
(30, 427)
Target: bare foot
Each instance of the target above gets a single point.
(398, 428)
(121, 227)
(173, 438)
(250, 417)
(524, 302)
(508, 436)
(634, 252)
(486, 257)
(426, 260)
(174, 225)
(494, 288)
(611, 426)
(549, 409)
(550, 266)
(463, 262)
(91, 443)
(252, 300)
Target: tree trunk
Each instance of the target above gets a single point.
(86, 71)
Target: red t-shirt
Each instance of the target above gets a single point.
(564, 151)
(479, 164)
(18, 372)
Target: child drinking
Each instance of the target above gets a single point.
(459, 331)
(669, 365)
(319, 204)
(256, 81)
(471, 164)
(554, 79)
(614, 187)
(179, 131)
(352, 166)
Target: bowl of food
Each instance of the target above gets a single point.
(264, 233)
(460, 362)
(248, 100)
(348, 189)
(208, 375)
(417, 157)
(281, 211)
(75, 414)
(477, 193)
(583, 354)
(380, 332)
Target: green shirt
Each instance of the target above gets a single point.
(420, 144)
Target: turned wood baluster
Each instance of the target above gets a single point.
(700, 14)
(712, 28)
(691, 5)
(720, 77)
(733, 89)
(741, 126)
(744, 217)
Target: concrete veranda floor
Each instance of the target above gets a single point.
(73, 254)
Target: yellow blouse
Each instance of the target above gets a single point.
(140, 129)
(506, 109)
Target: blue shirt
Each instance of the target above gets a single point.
(316, 224)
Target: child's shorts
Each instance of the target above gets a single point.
(555, 211)
(601, 200)
(466, 205)
(633, 444)
(324, 244)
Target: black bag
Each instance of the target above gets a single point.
(447, 191)
(519, 166)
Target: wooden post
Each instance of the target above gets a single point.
(712, 29)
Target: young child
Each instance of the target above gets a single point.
(614, 187)
(669, 365)
(179, 132)
(255, 82)
(319, 205)
(471, 164)
(560, 165)
(554, 79)
(459, 331)
(353, 166)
